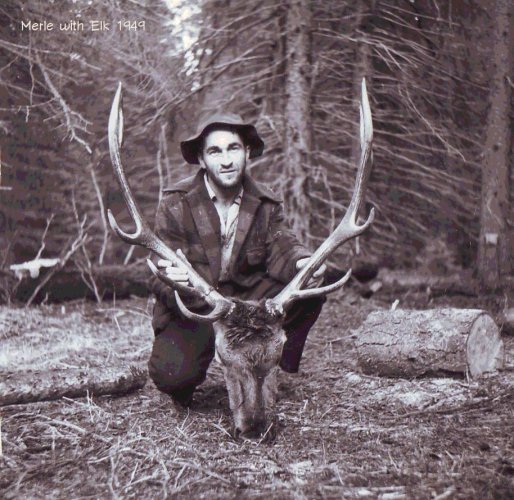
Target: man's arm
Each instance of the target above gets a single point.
(171, 232)
(283, 248)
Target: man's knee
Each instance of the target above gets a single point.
(297, 324)
(180, 357)
(304, 313)
(172, 378)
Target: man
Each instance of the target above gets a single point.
(232, 231)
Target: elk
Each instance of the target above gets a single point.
(249, 335)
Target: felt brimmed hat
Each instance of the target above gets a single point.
(191, 146)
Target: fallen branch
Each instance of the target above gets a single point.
(473, 405)
(390, 281)
(69, 283)
(28, 387)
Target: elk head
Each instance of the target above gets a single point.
(249, 335)
(249, 346)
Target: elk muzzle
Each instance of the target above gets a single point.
(252, 401)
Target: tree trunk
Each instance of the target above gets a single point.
(219, 92)
(297, 125)
(28, 387)
(405, 343)
(493, 249)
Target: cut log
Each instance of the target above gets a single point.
(32, 386)
(407, 343)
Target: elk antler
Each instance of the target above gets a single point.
(346, 230)
(145, 237)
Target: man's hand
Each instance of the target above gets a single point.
(317, 277)
(175, 270)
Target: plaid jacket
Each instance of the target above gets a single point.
(264, 247)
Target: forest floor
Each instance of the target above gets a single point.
(341, 434)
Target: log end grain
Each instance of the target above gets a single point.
(484, 347)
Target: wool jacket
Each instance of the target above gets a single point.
(264, 247)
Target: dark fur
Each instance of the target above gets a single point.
(249, 321)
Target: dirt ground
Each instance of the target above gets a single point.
(341, 434)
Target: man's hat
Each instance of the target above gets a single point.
(191, 146)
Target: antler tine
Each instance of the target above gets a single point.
(143, 235)
(366, 139)
(347, 228)
(220, 311)
(323, 290)
(115, 134)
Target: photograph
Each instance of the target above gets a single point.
(257, 249)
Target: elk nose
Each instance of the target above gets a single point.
(253, 430)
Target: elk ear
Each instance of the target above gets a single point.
(217, 357)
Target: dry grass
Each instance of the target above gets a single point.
(341, 434)
(72, 335)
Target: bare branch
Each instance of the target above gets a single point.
(68, 113)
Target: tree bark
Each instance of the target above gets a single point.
(493, 249)
(28, 387)
(298, 131)
(220, 91)
(405, 343)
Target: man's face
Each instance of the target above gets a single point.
(224, 158)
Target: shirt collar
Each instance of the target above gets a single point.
(212, 194)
